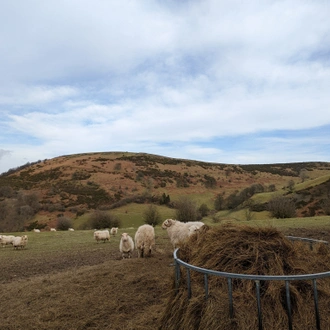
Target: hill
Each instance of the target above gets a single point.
(73, 185)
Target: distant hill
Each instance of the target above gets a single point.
(77, 183)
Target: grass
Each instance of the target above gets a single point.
(130, 215)
(265, 197)
(312, 183)
(65, 280)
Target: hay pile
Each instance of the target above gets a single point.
(248, 250)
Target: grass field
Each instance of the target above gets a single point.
(65, 280)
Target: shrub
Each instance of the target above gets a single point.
(186, 210)
(164, 199)
(63, 223)
(151, 215)
(219, 202)
(103, 219)
(204, 210)
(210, 181)
(216, 218)
(35, 225)
(326, 206)
(282, 207)
(6, 191)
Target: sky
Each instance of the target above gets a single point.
(236, 82)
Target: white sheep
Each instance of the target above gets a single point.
(102, 235)
(36, 230)
(144, 240)
(20, 241)
(193, 229)
(114, 231)
(52, 229)
(6, 240)
(70, 229)
(178, 231)
(126, 245)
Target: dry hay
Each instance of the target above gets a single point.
(247, 250)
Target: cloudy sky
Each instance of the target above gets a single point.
(237, 82)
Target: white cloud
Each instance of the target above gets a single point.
(151, 76)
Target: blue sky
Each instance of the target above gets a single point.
(239, 82)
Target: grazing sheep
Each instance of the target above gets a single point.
(36, 230)
(70, 229)
(102, 235)
(114, 231)
(178, 231)
(144, 240)
(6, 240)
(20, 241)
(126, 245)
(52, 229)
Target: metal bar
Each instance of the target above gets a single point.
(188, 283)
(293, 238)
(259, 304)
(230, 293)
(288, 303)
(316, 303)
(253, 277)
(206, 286)
(177, 276)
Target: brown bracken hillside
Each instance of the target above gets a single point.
(106, 180)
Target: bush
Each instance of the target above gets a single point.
(164, 199)
(63, 223)
(282, 207)
(151, 215)
(35, 225)
(186, 210)
(204, 210)
(103, 219)
(219, 202)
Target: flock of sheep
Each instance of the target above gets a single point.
(16, 241)
(144, 239)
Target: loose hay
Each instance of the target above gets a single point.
(247, 250)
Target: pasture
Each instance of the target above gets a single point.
(65, 280)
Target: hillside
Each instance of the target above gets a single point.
(75, 184)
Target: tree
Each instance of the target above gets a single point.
(219, 202)
(303, 175)
(165, 199)
(186, 210)
(151, 215)
(282, 207)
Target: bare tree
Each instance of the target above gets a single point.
(151, 215)
(186, 210)
(303, 175)
(282, 207)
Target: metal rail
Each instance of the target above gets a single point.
(256, 278)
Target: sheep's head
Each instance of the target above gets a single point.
(167, 223)
(124, 237)
(193, 229)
